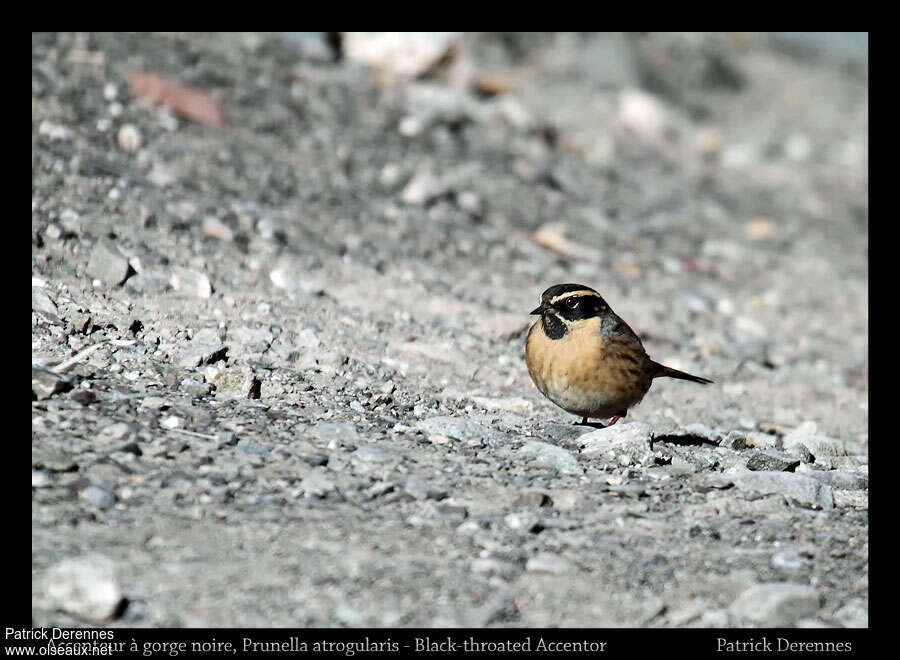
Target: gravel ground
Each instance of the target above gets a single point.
(307, 404)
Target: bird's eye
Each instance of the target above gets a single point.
(571, 303)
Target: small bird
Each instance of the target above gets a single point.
(586, 359)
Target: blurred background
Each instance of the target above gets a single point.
(305, 228)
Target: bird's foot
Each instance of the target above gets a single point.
(584, 422)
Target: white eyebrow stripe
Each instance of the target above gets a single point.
(570, 294)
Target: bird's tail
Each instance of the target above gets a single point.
(674, 373)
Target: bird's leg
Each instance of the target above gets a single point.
(584, 422)
(617, 417)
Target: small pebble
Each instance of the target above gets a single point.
(129, 138)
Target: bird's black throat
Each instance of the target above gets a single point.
(553, 327)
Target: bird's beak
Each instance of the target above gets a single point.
(539, 310)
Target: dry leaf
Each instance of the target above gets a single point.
(187, 102)
(553, 237)
(760, 229)
(492, 84)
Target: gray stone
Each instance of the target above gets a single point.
(81, 323)
(251, 339)
(148, 283)
(45, 383)
(348, 615)
(771, 459)
(116, 431)
(375, 454)
(801, 451)
(129, 462)
(85, 587)
(716, 481)
(317, 484)
(798, 488)
(698, 430)
(855, 498)
(624, 444)
(249, 447)
(212, 335)
(567, 435)
(194, 388)
(634, 490)
(155, 403)
(854, 613)
(226, 438)
(630, 437)
(548, 455)
(42, 302)
(534, 498)
(107, 264)
(316, 459)
(735, 440)
(237, 382)
(761, 440)
(455, 428)
(840, 479)
(509, 404)
(327, 361)
(313, 46)
(489, 565)
(468, 528)
(715, 619)
(380, 488)
(338, 434)
(776, 603)
(455, 512)
(422, 490)
(51, 459)
(97, 496)
(819, 445)
(197, 354)
(791, 562)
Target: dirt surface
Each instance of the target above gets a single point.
(308, 404)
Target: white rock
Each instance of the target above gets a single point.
(170, 422)
(642, 113)
(422, 189)
(544, 562)
(85, 587)
(524, 521)
(191, 283)
(404, 54)
(215, 228)
(129, 138)
(54, 131)
(307, 338)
